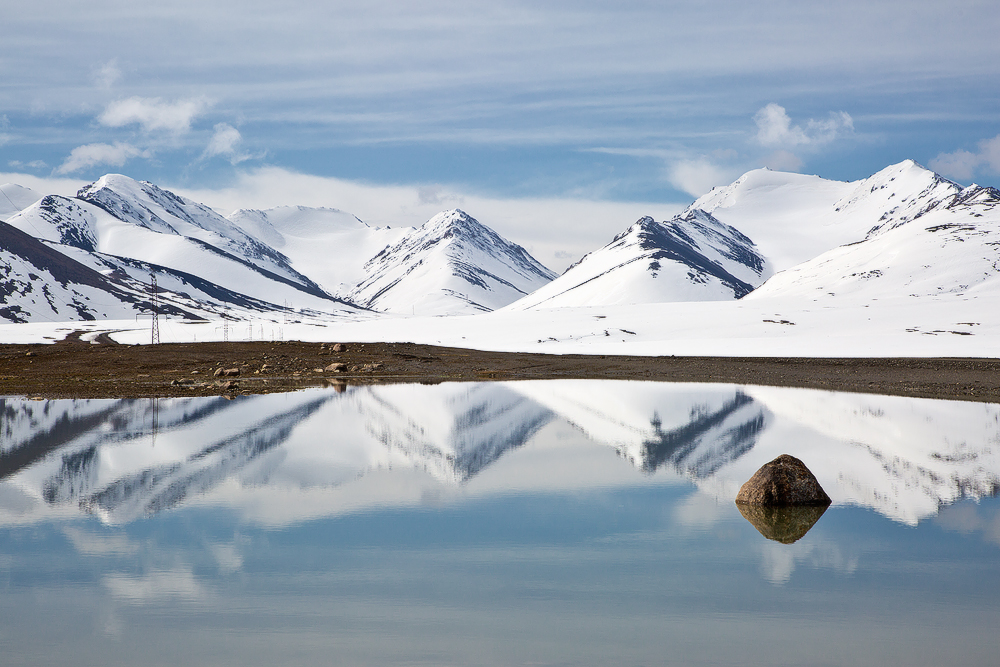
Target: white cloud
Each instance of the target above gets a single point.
(989, 149)
(108, 74)
(153, 114)
(225, 142)
(698, 176)
(775, 128)
(555, 231)
(963, 164)
(91, 155)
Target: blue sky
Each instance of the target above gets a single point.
(528, 111)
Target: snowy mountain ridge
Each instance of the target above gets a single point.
(693, 257)
(206, 264)
(902, 232)
(933, 239)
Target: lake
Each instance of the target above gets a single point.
(553, 522)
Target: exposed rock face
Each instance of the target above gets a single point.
(782, 524)
(782, 482)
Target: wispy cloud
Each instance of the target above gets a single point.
(226, 142)
(775, 128)
(108, 74)
(34, 164)
(153, 114)
(963, 164)
(92, 155)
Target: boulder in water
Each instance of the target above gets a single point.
(783, 482)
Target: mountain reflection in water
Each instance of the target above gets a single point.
(123, 460)
(494, 524)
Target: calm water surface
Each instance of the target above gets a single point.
(534, 523)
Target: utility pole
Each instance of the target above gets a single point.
(225, 325)
(155, 305)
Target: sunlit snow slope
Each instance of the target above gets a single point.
(932, 239)
(328, 245)
(15, 198)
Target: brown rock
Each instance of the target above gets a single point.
(782, 482)
(339, 347)
(337, 367)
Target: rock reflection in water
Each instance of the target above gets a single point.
(782, 524)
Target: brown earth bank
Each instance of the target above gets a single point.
(74, 369)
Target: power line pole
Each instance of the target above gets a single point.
(155, 305)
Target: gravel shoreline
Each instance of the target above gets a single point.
(73, 369)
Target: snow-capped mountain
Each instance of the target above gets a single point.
(144, 205)
(791, 217)
(317, 261)
(451, 264)
(933, 238)
(905, 232)
(203, 263)
(693, 257)
(37, 282)
(794, 218)
(328, 245)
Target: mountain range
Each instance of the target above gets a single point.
(904, 231)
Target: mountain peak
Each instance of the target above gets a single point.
(456, 218)
(452, 263)
(115, 182)
(693, 257)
